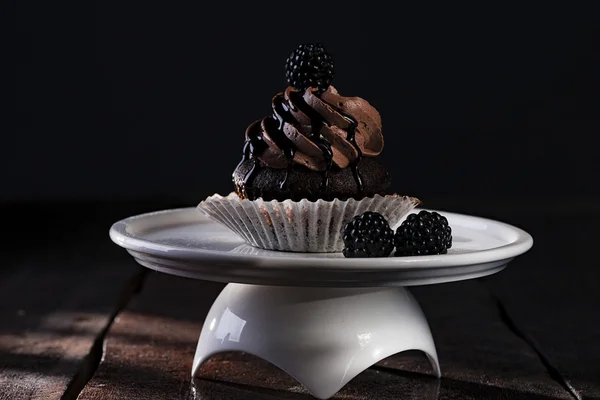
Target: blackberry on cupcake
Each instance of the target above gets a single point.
(309, 66)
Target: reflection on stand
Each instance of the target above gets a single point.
(244, 369)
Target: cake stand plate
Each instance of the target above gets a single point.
(320, 317)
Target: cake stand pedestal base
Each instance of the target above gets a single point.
(316, 328)
(322, 337)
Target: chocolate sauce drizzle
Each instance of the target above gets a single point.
(252, 148)
(255, 144)
(352, 139)
(281, 112)
(317, 122)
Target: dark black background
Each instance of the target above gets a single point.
(125, 101)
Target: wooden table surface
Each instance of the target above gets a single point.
(79, 319)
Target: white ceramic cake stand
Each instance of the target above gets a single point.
(322, 318)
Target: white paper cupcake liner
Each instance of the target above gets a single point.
(300, 226)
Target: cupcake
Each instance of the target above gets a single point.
(310, 167)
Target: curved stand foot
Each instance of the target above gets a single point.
(322, 337)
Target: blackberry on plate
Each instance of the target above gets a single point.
(368, 235)
(422, 234)
(309, 66)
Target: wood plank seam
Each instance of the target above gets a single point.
(92, 360)
(533, 344)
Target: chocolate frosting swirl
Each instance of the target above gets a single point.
(314, 130)
(317, 130)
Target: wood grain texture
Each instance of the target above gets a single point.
(475, 345)
(53, 307)
(552, 296)
(150, 347)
